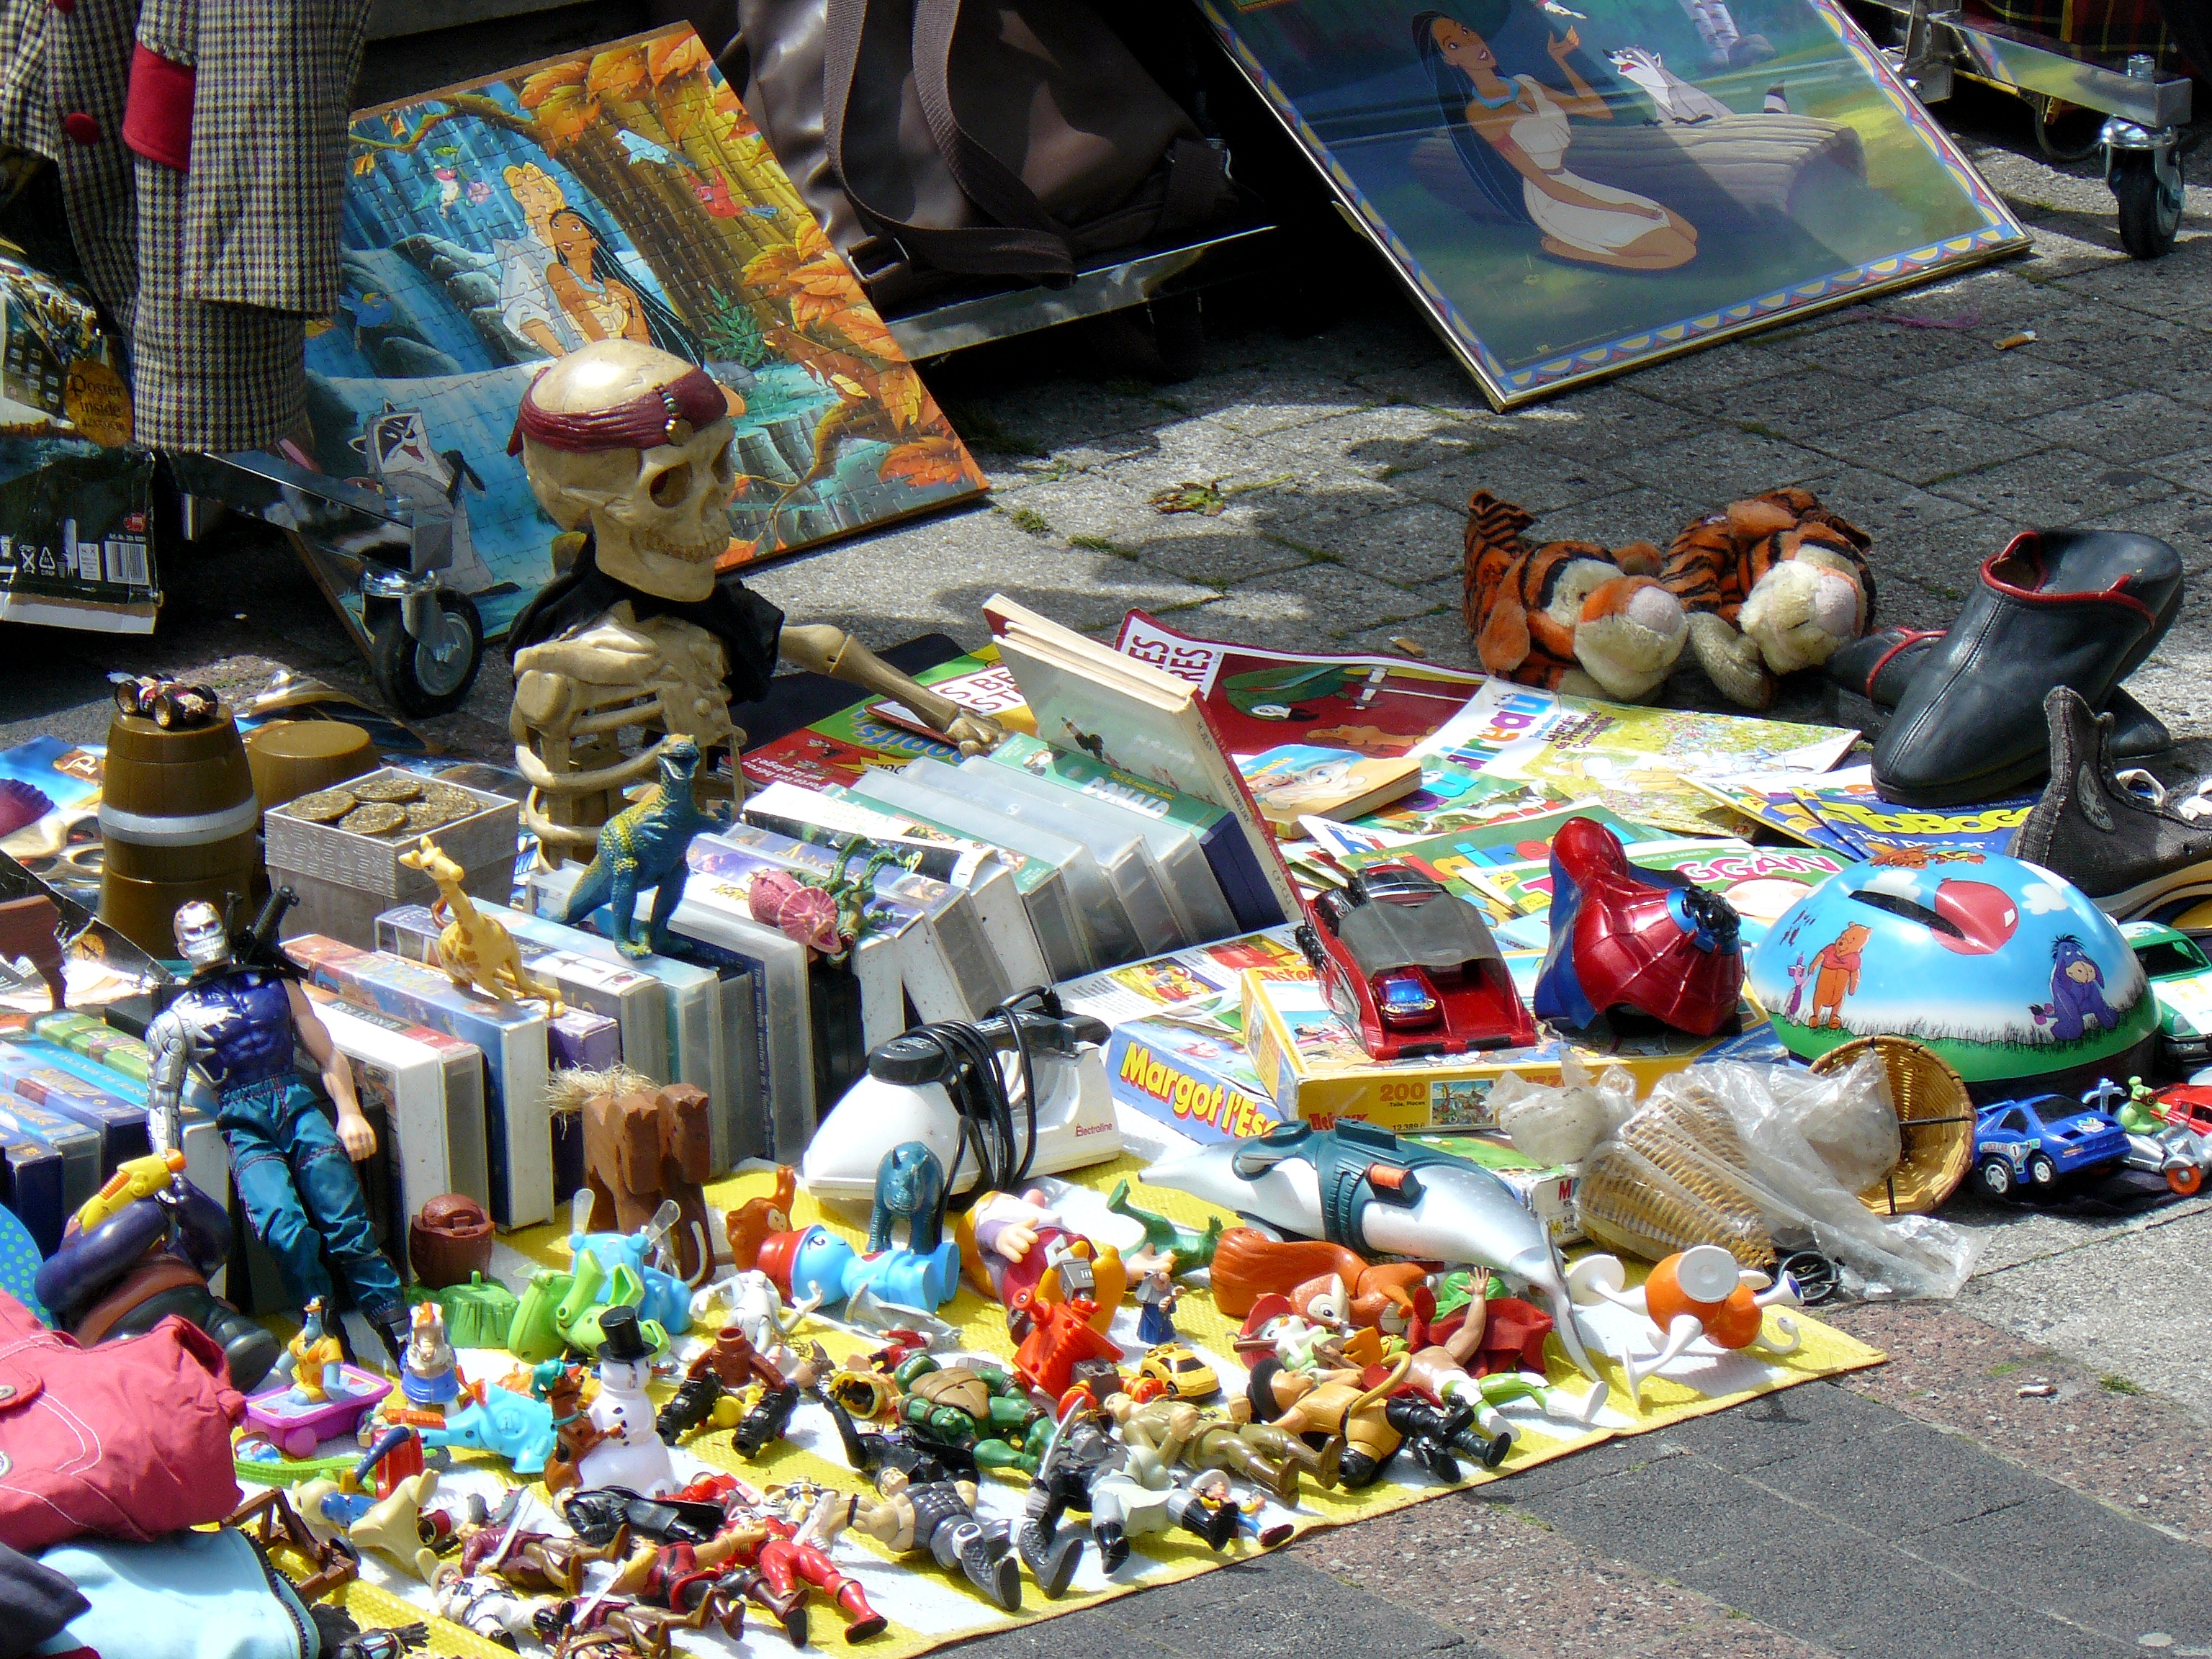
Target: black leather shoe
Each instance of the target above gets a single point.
(2129, 851)
(2077, 608)
(1880, 666)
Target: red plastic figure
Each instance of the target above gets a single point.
(786, 1560)
(1061, 1335)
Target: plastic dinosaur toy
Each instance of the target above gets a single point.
(642, 847)
(473, 949)
(909, 1182)
(1192, 1250)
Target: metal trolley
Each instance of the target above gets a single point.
(1936, 41)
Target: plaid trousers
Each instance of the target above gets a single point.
(212, 272)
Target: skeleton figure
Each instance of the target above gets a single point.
(640, 640)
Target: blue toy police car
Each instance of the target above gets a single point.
(2032, 1143)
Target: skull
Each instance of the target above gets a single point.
(656, 515)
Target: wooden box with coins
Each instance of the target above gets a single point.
(339, 849)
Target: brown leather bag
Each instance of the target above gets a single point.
(936, 139)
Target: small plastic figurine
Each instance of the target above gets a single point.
(475, 951)
(1212, 1487)
(240, 1021)
(1011, 1245)
(1699, 1292)
(1229, 1441)
(428, 1375)
(928, 1503)
(629, 1453)
(1061, 1335)
(1156, 1295)
(641, 849)
(314, 1360)
(1192, 1249)
(789, 1530)
(1127, 1490)
(486, 1606)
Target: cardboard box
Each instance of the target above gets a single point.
(345, 880)
(1314, 1068)
(1194, 1082)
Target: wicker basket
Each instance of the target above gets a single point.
(1935, 1122)
(1653, 1190)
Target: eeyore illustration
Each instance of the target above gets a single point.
(2077, 1004)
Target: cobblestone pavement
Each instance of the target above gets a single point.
(1926, 1507)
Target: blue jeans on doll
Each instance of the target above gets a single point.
(301, 1197)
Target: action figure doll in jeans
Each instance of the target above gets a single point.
(239, 1022)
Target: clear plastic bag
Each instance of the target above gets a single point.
(1560, 1126)
(1720, 1148)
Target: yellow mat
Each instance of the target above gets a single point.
(926, 1610)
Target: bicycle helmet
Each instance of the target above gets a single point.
(2004, 969)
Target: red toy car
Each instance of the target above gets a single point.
(1412, 969)
(2186, 1106)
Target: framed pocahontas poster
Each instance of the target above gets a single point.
(1572, 187)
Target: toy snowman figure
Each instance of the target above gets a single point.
(628, 1452)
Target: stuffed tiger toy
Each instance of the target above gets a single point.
(1771, 585)
(1569, 616)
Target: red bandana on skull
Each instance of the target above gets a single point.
(668, 414)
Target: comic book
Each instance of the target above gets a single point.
(1841, 811)
(985, 689)
(1292, 780)
(617, 192)
(1459, 857)
(1256, 699)
(1637, 761)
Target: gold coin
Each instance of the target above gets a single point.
(428, 815)
(324, 806)
(456, 802)
(397, 787)
(374, 817)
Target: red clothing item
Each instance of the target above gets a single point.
(157, 113)
(130, 1439)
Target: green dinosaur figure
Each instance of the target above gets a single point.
(643, 846)
(1192, 1250)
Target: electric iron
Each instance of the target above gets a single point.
(965, 1092)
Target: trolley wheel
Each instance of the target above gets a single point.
(2185, 1178)
(431, 675)
(2150, 214)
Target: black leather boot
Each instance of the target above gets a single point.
(2076, 608)
(2129, 851)
(1880, 666)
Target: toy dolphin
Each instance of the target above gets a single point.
(1364, 1188)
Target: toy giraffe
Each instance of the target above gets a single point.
(474, 950)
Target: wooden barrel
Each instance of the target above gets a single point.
(177, 819)
(291, 758)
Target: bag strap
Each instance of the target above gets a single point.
(987, 181)
(1031, 247)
